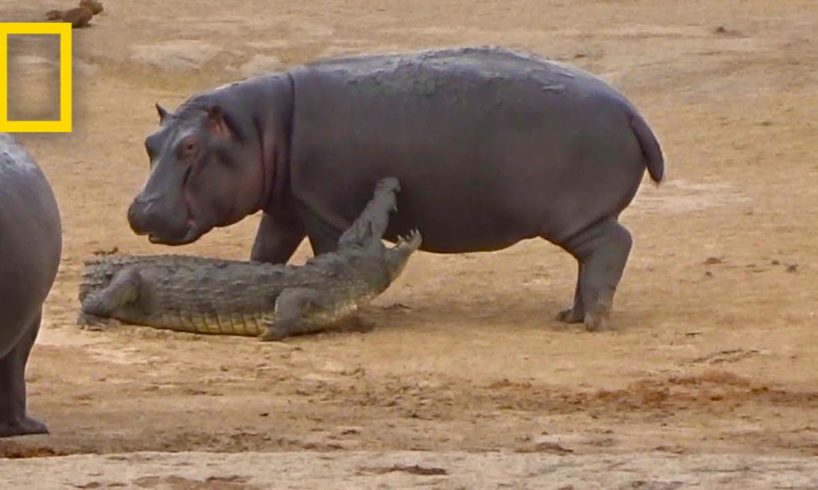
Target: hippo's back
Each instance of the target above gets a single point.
(30, 239)
(462, 65)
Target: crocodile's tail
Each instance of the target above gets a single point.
(397, 256)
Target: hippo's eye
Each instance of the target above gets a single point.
(187, 148)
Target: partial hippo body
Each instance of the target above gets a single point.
(30, 249)
(491, 147)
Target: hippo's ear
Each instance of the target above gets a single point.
(162, 113)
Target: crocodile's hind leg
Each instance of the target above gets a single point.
(99, 309)
(291, 306)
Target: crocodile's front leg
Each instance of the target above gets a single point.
(291, 307)
(98, 309)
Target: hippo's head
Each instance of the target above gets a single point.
(206, 172)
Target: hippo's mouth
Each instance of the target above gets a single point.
(192, 233)
(193, 230)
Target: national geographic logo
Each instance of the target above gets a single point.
(63, 31)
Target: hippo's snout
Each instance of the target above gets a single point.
(141, 216)
(149, 217)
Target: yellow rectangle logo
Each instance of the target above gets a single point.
(61, 29)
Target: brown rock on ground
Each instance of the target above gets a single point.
(93, 5)
(78, 16)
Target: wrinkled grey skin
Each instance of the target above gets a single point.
(30, 249)
(491, 147)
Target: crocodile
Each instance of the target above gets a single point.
(231, 297)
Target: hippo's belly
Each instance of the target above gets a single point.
(490, 147)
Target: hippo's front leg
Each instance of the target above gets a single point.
(277, 238)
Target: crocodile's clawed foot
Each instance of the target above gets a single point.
(412, 240)
(272, 333)
(87, 321)
(358, 324)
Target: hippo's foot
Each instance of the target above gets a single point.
(599, 318)
(87, 321)
(571, 315)
(26, 426)
(598, 322)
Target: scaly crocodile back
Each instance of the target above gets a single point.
(98, 271)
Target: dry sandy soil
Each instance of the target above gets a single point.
(715, 358)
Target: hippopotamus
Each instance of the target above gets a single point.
(491, 147)
(30, 250)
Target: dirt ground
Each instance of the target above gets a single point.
(716, 350)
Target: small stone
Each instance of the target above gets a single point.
(550, 444)
(346, 431)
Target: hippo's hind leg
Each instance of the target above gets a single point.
(602, 251)
(14, 420)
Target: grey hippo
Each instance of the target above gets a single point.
(491, 147)
(30, 250)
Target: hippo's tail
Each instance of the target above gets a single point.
(650, 147)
